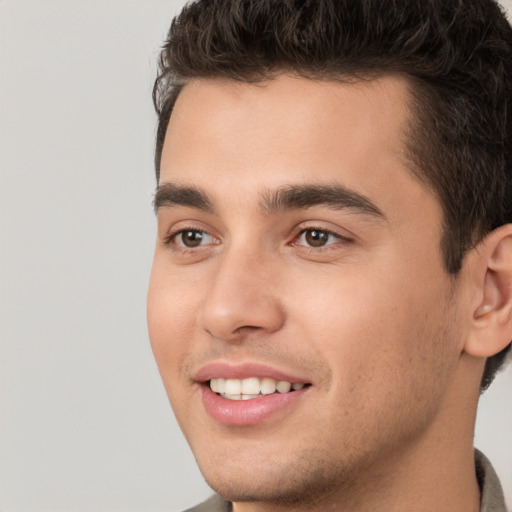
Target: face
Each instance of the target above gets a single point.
(296, 248)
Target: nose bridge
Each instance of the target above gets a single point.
(243, 294)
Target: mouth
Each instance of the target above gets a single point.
(249, 394)
(251, 388)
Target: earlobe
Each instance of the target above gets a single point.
(491, 329)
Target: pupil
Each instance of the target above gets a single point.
(192, 238)
(316, 238)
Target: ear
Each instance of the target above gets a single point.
(491, 323)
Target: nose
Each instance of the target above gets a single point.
(243, 298)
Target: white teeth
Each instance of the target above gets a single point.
(252, 387)
(268, 386)
(283, 386)
(233, 387)
(217, 385)
(229, 396)
(238, 397)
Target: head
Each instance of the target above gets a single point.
(457, 57)
(252, 97)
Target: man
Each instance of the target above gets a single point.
(332, 281)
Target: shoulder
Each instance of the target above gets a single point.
(213, 504)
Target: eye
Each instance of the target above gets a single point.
(317, 238)
(191, 238)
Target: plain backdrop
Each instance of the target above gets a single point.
(84, 420)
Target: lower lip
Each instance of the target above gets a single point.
(247, 412)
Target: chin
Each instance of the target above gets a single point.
(279, 480)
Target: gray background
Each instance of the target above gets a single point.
(84, 421)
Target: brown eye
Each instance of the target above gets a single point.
(192, 238)
(317, 238)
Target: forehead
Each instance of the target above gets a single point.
(248, 138)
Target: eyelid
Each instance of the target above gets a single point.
(326, 227)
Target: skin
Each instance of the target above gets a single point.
(371, 319)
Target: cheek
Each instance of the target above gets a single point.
(171, 315)
(384, 341)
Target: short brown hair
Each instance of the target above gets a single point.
(457, 55)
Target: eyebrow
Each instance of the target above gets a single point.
(294, 197)
(169, 194)
(336, 196)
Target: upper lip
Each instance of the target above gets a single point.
(226, 370)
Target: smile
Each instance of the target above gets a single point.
(250, 393)
(251, 387)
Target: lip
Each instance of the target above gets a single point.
(247, 412)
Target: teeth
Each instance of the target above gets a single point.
(217, 385)
(252, 387)
(268, 386)
(283, 386)
(248, 397)
(238, 397)
(233, 387)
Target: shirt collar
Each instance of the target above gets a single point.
(490, 487)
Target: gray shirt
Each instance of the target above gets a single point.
(490, 487)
